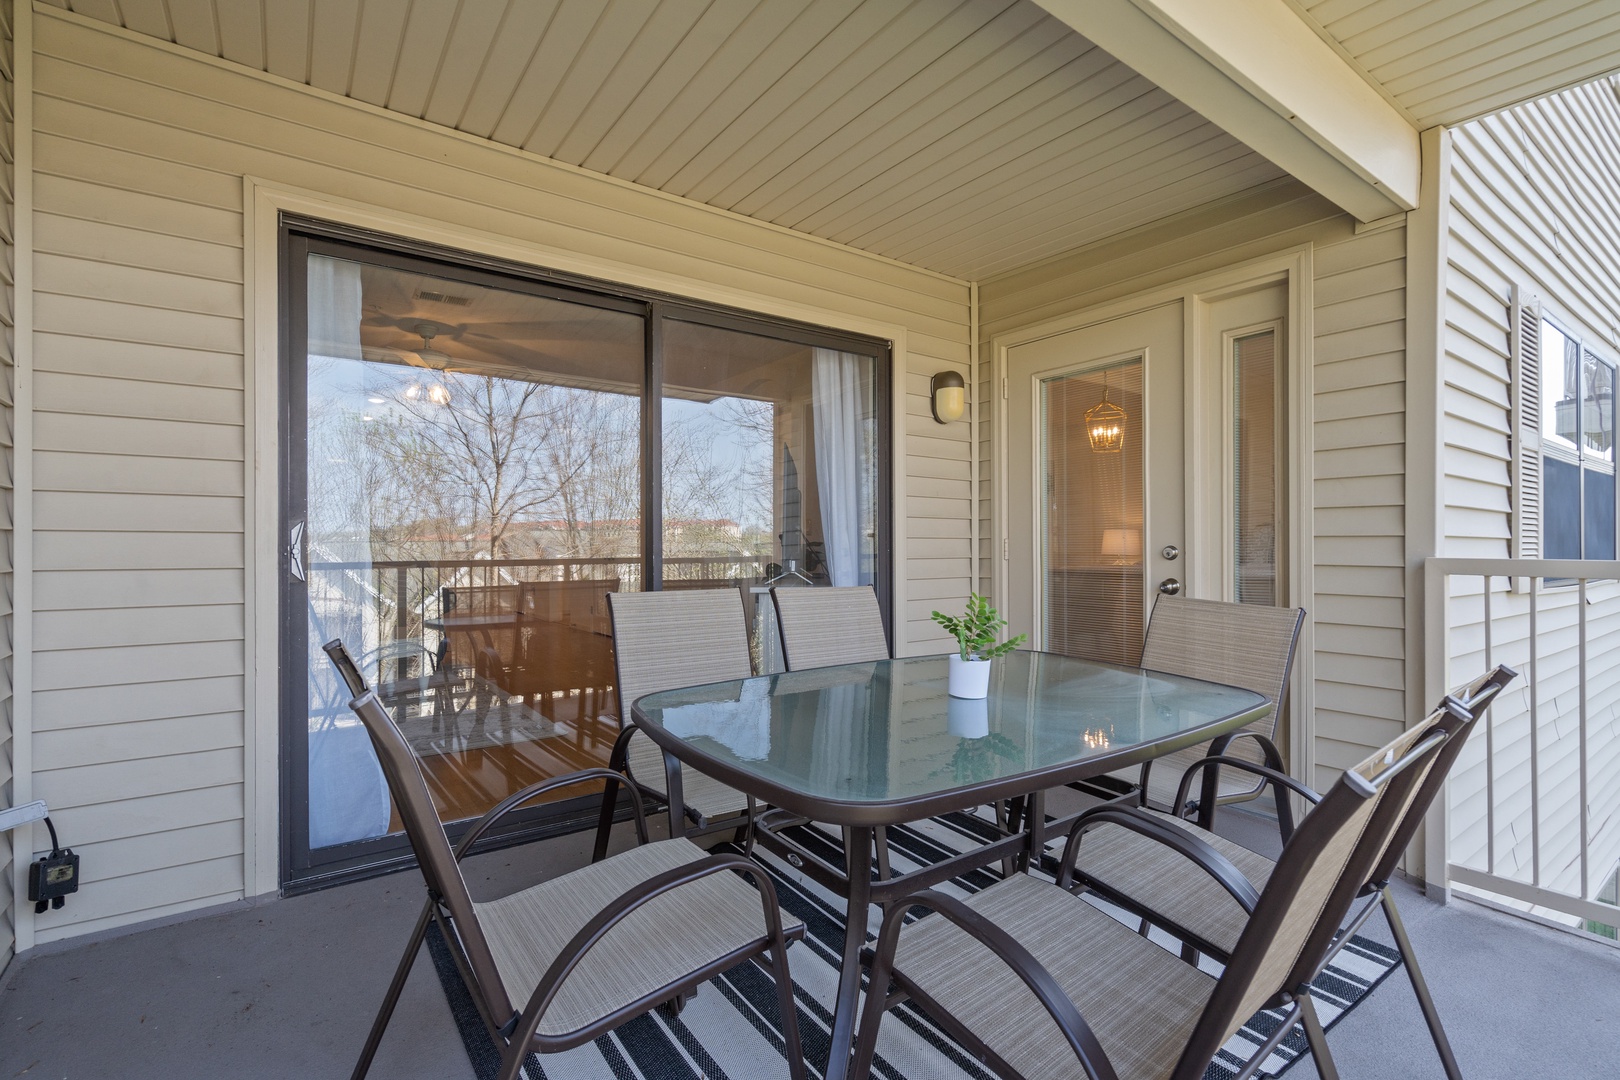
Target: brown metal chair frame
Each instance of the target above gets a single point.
(1270, 756)
(1268, 908)
(1468, 702)
(449, 906)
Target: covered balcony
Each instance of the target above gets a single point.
(437, 326)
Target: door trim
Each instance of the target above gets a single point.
(1294, 268)
(263, 203)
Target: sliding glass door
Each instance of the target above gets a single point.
(475, 456)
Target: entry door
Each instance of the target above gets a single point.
(1096, 495)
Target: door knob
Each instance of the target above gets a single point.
(1169, 586)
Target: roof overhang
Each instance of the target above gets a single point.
(1257, 70)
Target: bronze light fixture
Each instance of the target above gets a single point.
(1105, 424)
(949, 394)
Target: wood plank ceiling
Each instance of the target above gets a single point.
(970, 137)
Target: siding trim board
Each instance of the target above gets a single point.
(20, 18)
(9, 840)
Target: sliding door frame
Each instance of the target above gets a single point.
(303, 869)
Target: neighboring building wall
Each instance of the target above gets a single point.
(1533, 207)
(140, 717)
(1359, 373)
(8, 385)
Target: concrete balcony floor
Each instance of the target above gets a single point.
(288, 989)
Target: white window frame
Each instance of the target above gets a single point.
(1530, 447)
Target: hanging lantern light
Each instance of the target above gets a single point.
(1105, 424)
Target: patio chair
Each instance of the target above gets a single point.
(662, 641)
(1243, 645)
(821, 627)
(555, 965)
(1037, 982)
(827, 626)
(1120, 857)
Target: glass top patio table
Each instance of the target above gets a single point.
(881, 742)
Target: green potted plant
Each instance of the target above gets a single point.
(975, 633)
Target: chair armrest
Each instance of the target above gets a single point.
(1276, 777)
(1270, 756)
(528, 1022)
(518, 798)
(1187, 845)
(1082, 1040)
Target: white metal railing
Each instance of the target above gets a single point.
(1532, 812)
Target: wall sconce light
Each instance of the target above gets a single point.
(949, 394)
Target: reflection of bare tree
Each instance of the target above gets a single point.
(599, 514)
(484, 449)
(753, 428)
(456, 466)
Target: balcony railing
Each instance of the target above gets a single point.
(405, 596)
(1533, 810)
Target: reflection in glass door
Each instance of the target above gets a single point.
(466, 479)
(1092, 514)
(769, 468)
(472, 494)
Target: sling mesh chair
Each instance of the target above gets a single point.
(1120, 857)
(585, 952)
(663, 641)
(1037, 983)
(823, 627)
(1244, 645)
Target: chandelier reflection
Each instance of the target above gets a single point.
(1105, 424)
(1096, 738)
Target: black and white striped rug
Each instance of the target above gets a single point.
(730, 1031)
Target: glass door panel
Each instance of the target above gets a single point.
(472, 489)
(769, 469)
(1092, 513)
(1257, 431)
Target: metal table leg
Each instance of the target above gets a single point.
(858, 861)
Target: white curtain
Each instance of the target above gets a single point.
(836, 381)
(348, 795)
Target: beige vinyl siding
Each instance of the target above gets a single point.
(8, 427)
(1360, 488)
(1359, 422)
(1534, 197)
(141, 151)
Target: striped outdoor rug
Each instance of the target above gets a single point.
(731, 1031)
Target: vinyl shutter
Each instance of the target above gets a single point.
(1526, 438)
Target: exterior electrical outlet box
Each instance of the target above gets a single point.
(53, 877)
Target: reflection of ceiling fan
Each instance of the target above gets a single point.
(431, 359)
(427, 356)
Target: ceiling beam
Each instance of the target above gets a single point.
(1258, 71)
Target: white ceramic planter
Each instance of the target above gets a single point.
(967, 718)
(969, 678)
